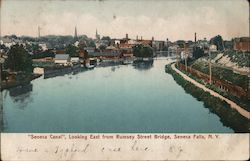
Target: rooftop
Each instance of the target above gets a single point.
(61, 56)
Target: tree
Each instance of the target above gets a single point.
(102, 47)
(72, 50)
(142, 51)
(19, 59)
(4, 48)
(106, 38)
(147, 51)
(91, 43)
(47, 53)
(218, 41)
(198, 52)
(34, 48)
(82, 44)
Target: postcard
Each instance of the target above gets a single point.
(124, 80)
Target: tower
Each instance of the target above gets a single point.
(75, 37)
(127, 36)
(97, 36)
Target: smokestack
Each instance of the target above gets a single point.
(153, 38)
(136, 37)
(126, 36)
(195, 37)
(75, 33)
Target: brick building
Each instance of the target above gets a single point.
(242, 44)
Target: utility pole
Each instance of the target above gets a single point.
(178, 56)
(210, 66)
(185, 54)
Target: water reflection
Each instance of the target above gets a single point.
(63, 71)
(103, 99)
(21, 95)
(109, 63)
(143, 65)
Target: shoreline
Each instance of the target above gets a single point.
(229, 116)
(9, 85)
(241, 110)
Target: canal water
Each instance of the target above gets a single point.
(134, 98)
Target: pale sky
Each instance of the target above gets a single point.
(173, 19)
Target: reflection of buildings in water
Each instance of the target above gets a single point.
(143, 64)
(112, 69)
(109, 63)
(64, 71)
(21, 95)
(3, 120)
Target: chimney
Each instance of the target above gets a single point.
(126, 36)
(153, 38)
(136, 37)
(194, 37)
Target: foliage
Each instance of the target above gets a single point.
(82, 44)
(243, 101)
(142, 51)
(106, 38)
(222, 73)
(4, 75)
(19, 59)
(4, 48)
(47, 53)
(198, 52)
(72, 50)
(91, 43)
(218, 41)
(102, 47)
(34, 48)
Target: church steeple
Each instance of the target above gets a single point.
(97, 36)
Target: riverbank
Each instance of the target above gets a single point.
(229, 116)
(11, 84)
(220, 85)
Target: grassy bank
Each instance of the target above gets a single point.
(228, 116)
(223, 74)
